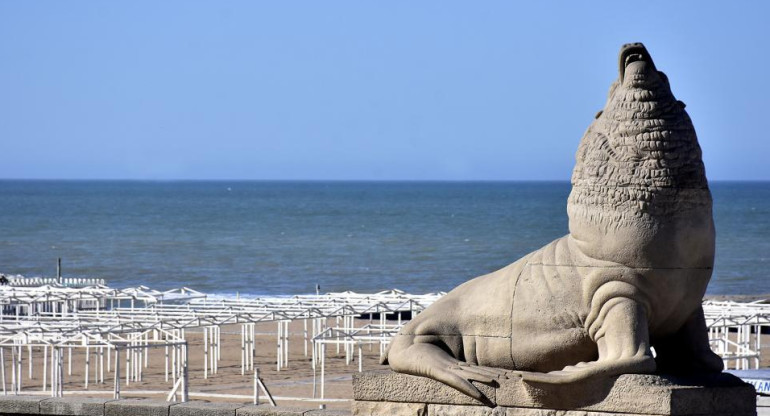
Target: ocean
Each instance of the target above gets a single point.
(283, 238)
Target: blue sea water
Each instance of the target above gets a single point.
(286, 237)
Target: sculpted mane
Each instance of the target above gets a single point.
(639, 161)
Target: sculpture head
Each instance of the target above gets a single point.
(639, 191)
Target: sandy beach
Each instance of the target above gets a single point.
(296, 381)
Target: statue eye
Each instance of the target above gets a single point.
(598, 114)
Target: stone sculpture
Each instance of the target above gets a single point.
(629, 276)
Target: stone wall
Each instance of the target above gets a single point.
(83, 406)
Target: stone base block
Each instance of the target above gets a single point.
(379, 393)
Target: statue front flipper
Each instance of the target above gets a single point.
(623, 342)
(418, 355)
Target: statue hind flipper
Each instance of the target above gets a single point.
(407, 354)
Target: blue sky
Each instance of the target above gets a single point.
(360, 90)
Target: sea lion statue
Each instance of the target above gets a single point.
(629, 276)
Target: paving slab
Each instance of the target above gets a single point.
(202, 408)
(22, 405)
(268, 410)
(80, 406)
(327, 412)
(137, 407)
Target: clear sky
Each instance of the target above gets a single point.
(360, 90)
